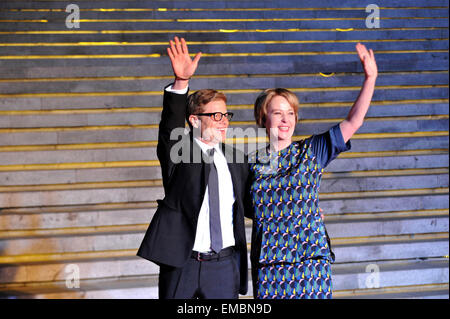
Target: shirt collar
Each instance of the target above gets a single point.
(205, 147)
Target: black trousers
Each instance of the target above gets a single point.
(214, 279)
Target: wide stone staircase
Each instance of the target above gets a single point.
(80, 107)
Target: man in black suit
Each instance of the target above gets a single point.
(197, 235)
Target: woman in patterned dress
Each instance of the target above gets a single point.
(290, 253)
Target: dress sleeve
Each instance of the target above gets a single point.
(328, 145)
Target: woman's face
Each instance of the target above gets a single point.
(280, 120)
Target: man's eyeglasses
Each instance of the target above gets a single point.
(217, 116)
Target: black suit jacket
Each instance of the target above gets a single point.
(170, 237)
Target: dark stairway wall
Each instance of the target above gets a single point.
(79, 110)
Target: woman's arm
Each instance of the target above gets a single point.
(355, 117)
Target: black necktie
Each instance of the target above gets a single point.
(214, 206)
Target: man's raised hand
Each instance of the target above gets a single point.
(182, 64)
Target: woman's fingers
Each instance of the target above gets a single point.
(372, 55)
(360, 51)
(361, 48)
(364, 54)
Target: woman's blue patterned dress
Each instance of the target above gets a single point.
(290, 253)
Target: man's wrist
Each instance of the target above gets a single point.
(182, 79)
(172, 89)
(180, 84)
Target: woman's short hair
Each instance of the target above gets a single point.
(197, 100)
(263, 100)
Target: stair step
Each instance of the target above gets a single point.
(371, 186)
(388, 227)
(194, 37)
(346, 60)
(343, 277)
(373, 165)
(116, 288)
(171, 26)
(38, 71)
(221, 83)
(139, 191)
(81, 196)
(222, 49)
(81, 176)
(348, 249)
(60, 155)
(63, 123)
(363, 204)
(229, 13)
(235, 97)
(381, 224)
(239, 128)
(147, 289)
(351, 160)
(437, 144)
(189, 5)
(437, 246)
(413, 291)
(393, 273)
(68, 218)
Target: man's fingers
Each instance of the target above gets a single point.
(173, 48)
(178, 46)
(184, 46)
(171, 56)
(197, 57)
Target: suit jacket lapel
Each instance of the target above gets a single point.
(232, 167)
(197, 157)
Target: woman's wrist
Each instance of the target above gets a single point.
(371, 78)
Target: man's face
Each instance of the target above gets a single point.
(212, 132)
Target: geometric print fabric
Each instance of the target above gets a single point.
(310, 279)
(286, 205)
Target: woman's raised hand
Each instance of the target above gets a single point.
(368, 61)
(182, 64)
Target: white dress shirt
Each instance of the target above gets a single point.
(182, 91)
(226, 199)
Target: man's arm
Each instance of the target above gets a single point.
(174, 104)
(355, 117)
